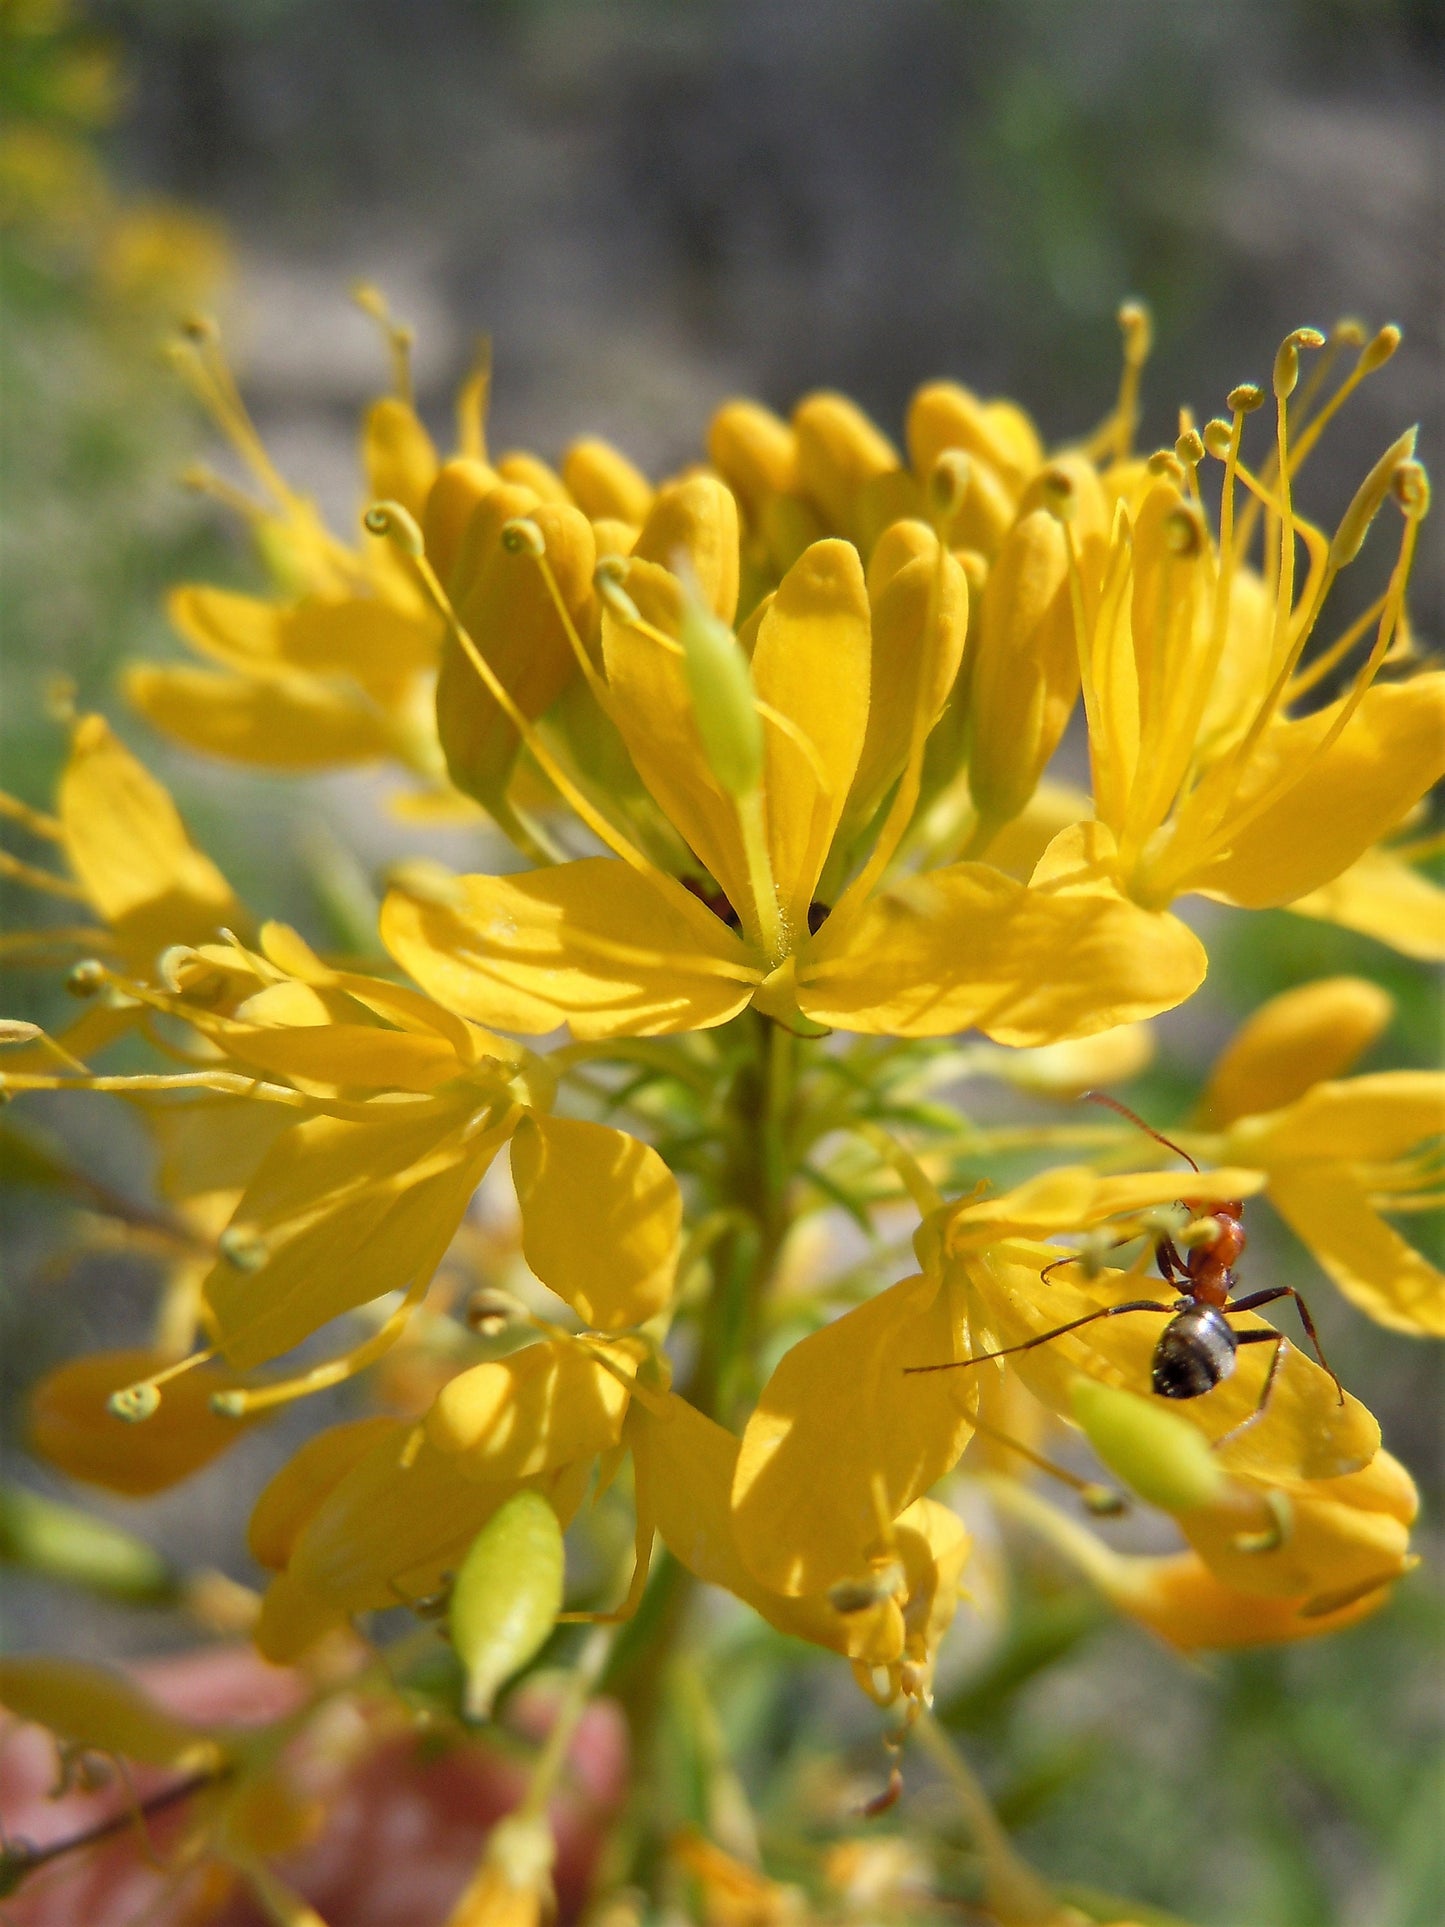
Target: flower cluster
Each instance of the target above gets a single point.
(772, 741)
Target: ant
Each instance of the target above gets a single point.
(1197, 1348)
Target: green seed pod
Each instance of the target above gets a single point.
(506, 1596)
(64, 1543)
(1158, 1455)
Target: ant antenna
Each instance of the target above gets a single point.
(1102, 1097)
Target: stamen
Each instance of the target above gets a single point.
(522, 536)
(238, 1402)
(1137, 328)
(36, 821)
(399, 337)
(1104, 1501)
(34, 878)
(392, 520)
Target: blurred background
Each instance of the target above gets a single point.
(650, 206)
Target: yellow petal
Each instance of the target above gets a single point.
(340, 1213)
(296, 722)
(398, 1521)
(1340, 1536)
(294, 1494)
(920, 619)
(336, 1056)
(377, 643)
(1181, 1600)
(461, 485)
(1339, 802)
(101, 1711)
(1075, 1197)
(70, 1426)
(1366, 1119)
(398, 455)
(967, 947)
(1330, 1212)
(696, 517)
(1295, 1040)
(686, 1466)
(841, 1440)
(1383, 897)
(654, 713)
(504, 603)
(811, 664)
(591, 944)
(127, 845)
(1305, 1432)
(1025, 667)
(540, 1408)
(601, 1214)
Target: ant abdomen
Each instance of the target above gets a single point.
(1196, 1350)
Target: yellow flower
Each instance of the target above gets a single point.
(1192, 662)
(1305, 1431)
(901, 1594)
(72, 1426)
(617, 948)
(1338, 1158)
(372, 1516)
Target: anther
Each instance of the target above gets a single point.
(243, 1250)
(1189, 449)
(948, 483)
(857, 1595)
(1273, 1536)
(1060, 497)
(228, 1404)
(521, 536)
(1165, 462)
(607, 581)
(1218, 437)
(489, 1311)
(1411, 487)
(1286, 362)
(1349, 332)
(1137, 326)
(1104, 1501)
(1379, 351)
(85, 978)
(1244, 399)
(398, 524)
(15, 1030)
(1183, 532)
(135, 1403)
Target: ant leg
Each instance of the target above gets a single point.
(1089, 1318)
(1258, 1298)
(1281, 1346)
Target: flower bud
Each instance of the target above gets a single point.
(1300, 1038)
(604, 484)
(1162, 1457)
(720, 683)
(506, 1596)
